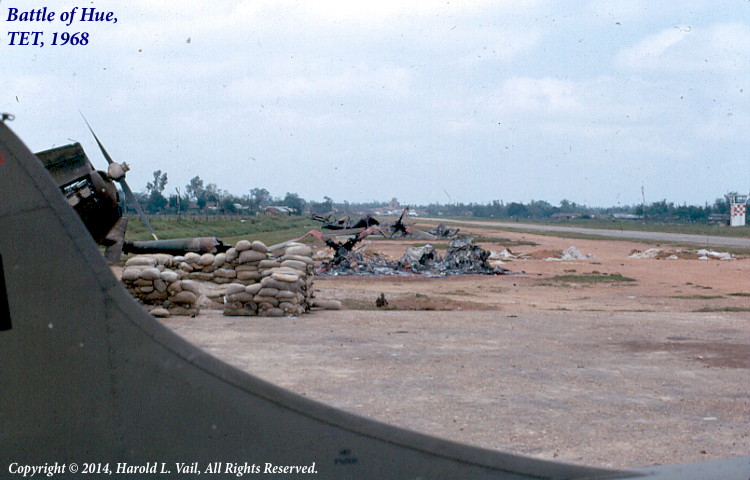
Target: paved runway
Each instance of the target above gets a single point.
(706, 240)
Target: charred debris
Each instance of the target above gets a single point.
(350, 258)
(461, 257)
(441, 231)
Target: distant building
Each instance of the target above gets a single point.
(278, 211)
(626, 216)
(564, 216)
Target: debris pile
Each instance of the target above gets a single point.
(711, 255)
(504, 254)
(461, 257)
(464, 257)
(680, 254)
(419, 259)
(164, 291)
(359, 263)
(444, 232)
(572, 253)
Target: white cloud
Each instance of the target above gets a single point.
(621, 10)
(720, 47)
(539, 95)
(361, 80)
(369, 11)
(650, 52)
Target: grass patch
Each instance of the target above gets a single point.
(591, 278)
(270, 230)
(698, 297)
(722, 309)
(459, 292)
(739, 294)
(632, 310)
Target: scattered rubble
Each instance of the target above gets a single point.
(505, 254)
(572, 253)
(680, 254)
(441, 231)
(711, 255)
(461, 257)
(464, 257)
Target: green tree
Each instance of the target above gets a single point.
(259, 198)
(155, 200)
(196, 191)
(293, 201)
(517, 210)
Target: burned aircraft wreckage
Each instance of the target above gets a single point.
(461, 257)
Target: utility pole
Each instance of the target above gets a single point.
(179, 201)
(643, 204)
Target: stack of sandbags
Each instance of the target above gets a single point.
(258, 283)
(240, 264)
(247, 260)
(149, 279)
(206, 267)
(285, 286)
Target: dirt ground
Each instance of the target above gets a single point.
(611, 361)
(658, 285)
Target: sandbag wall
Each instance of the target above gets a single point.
(258, 283)
(164, 291)
(285, 286)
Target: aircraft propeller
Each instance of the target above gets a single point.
(117, 173)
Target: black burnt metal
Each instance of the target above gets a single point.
(462, 257)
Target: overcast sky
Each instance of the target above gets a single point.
(426, 101)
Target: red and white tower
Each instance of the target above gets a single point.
(737, 209)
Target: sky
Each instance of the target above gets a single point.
(602, 103)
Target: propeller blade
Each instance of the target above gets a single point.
(125, 188)
(101, 147)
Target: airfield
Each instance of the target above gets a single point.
(611, 360)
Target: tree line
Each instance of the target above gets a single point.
(197, 197)
(661, 211)
(205, 198)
